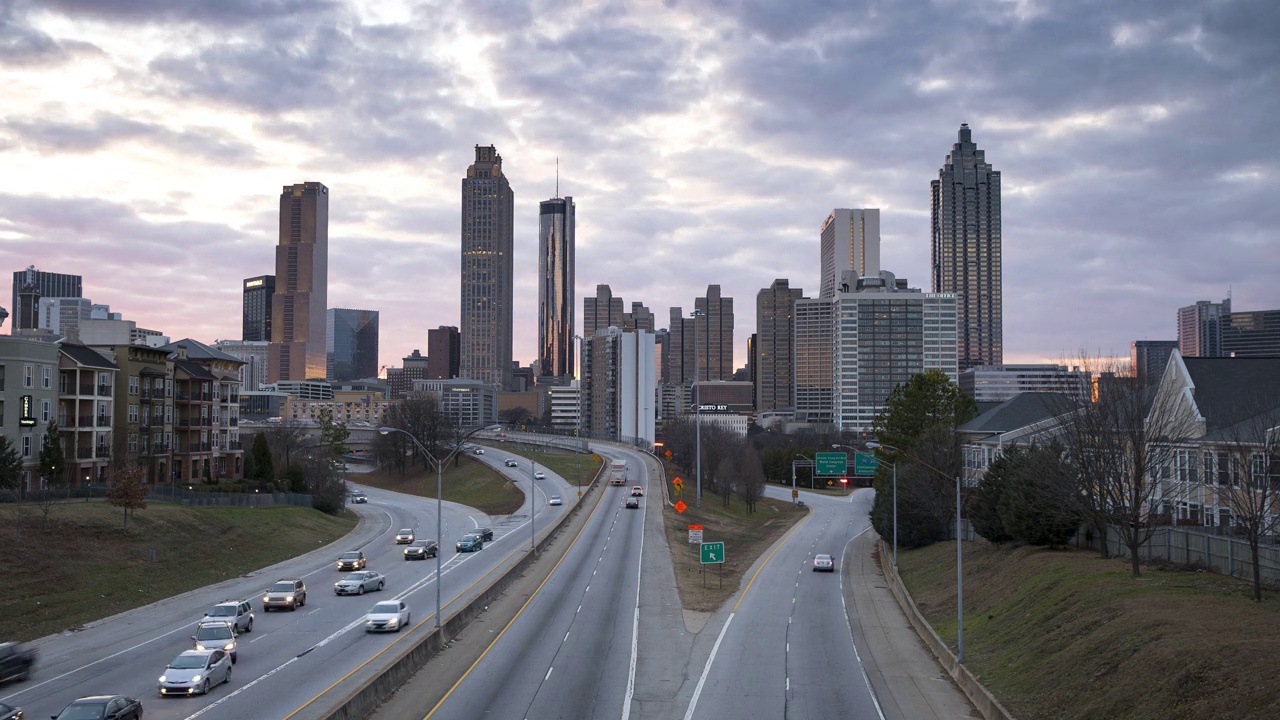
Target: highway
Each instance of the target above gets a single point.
(571, 651)
(786, 648)
(290, 658)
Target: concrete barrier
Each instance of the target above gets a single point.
(982, 699)
(361, 701)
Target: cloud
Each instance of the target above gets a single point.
(220, 13)
(22, 45)
(105, 129)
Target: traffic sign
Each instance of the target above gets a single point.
(865, 464)
(712, 553)
(680, 506)
(678, 484)
(795, 494)
(695, 536)
(695, 527)
(830, 463)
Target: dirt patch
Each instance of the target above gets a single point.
(468, 481)
(1063, 633)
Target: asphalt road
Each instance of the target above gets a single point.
(786, 649)
(571, 651)
(290, 658)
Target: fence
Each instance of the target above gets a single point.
(182, 496)
(1194, 547)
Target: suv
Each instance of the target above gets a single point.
(236, 612)
(421, 550)
(216, 636)
(285, 593)
(353, 560)
(486, 534)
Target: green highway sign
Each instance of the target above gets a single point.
(712, 553)
(830, 463)
(864, 464)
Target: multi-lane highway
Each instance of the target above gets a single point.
(290, 658)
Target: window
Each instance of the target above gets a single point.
(133, 384)
(28, 376)
(47, 379)
(44, 411)
(26, 446)
(133, 442)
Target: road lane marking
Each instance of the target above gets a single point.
(544, 679)
(635, 620)
(693, 702)
(866, 679)
(95, 662)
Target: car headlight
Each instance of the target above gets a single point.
(266, 598)
(288, 598)
(161, 678)
(369, 622)
(229, 646)
(392, 623)
(200, 646)
(196, 678)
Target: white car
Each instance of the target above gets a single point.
(823, 563)
(388, 616)
(512, 463)
(357, 583)
(404, 536)
(539, 475)
(637, 491)
(478, 451)
(195, 671)
(555, 500)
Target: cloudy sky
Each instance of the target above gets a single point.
(143, 145)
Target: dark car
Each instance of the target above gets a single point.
(16, 660)
(632, 503)
(353, 560)
(486, 534)
(421, 550)
(102, 707)
(470, 542)
(9, 712)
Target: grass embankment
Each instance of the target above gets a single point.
(471, 483)
(81, 564)
(576, 468)
(1065, 634)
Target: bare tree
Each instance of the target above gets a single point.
(749, 480)
(1250, 453)
(126, 489)
(421, 416)
(285, 440)
(718, 444)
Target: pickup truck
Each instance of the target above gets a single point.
(16, 661)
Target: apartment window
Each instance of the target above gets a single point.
(133, 384)
(133, 413)
(133, 442)
(168, 415)
(26, 446)
(45, 406)
(167, 440)
(28, 376)
(47, 378)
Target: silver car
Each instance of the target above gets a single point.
(236, 612)
(216, 636)
(404, 536)
(357, 583)
(388, 616)
(195, 671)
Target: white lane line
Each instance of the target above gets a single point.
(579, 608)
(849, 624)
(635, 620)
(788, 684)
(548, 673)
(474, 524)
(95, 662)
(693, 702)
(566, 638)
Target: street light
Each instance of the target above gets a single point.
(872, 444)
(439, 494)
(697, 405)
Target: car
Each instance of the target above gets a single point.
(637, 491)
(194, 672)
(359, 498)
(16, 661)
(478, 451)
(216, 636)
(357, 583)
(555, 500)
(388, 616)
(632, 503)
(9, 712)
(539, 475)
(421, 550)
(512, 463)
(404, 536)
(353, 560)
(469, 543)
(102, 707)
(285, 593)
(236, 612)
(823, 563)
(486, 534)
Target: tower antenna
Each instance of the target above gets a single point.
(557, 176)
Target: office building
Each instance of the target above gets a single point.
(253, 353)
(678, 362)
(966, 249)
(601, 311)
(444, 345)
(813, 346)
(850, 240)
(414, 367)
(1147, 358)
(302, 285)
(556, 221)
(1251, 334)
(468, 403)
(30, 285)
(1004, 382)
(351, 345)
(714, 335)
(256, 322)
(488, 212)
(565, 411)
(619, 386)
(1200, 328)
(772, 354)
(640, 318)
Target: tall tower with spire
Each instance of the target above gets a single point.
(488, 229)
(556, 221)
(965, 232)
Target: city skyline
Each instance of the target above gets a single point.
(167, 168)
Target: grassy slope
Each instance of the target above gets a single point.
(471, 483)
(1064, 634)
(575, 468)
(82, 565)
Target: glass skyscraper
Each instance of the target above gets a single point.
(488, 217)
(556, 220)
(352, 344)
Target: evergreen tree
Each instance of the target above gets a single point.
(1039, 505)
(984, 504)
(258, 465)
(53, 464)
(10, 465)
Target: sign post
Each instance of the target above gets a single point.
(712, 554)
(695, 534)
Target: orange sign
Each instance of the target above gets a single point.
(680, 506)
(695, 527)
(678, 484)
(668, 454)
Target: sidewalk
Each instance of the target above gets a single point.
(907, 679)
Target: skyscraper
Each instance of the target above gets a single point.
(678, 352)
(352, 347)
(488, 216)
(1147, 358)
(602, 311)
(966, 244)
(1251, 334)
(30, 285)
(1200, 328)
(298, 308)
(256, 323)
(555, 288)
(850, 240)
(773, 360)
(714, 335)
(443, 348)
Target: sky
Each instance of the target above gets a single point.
(144, 145)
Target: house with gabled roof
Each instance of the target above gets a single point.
(1021, 420)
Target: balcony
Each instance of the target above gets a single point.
(85, 421)
(183, 396)
(84, 453)
(104, 421)
(144, 425)
(234, 399)
(104, 390)
(234, 422)
(146, 393)
(236, 445)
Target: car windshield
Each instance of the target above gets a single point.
(282, 587)
(86, 711)
(469, 538)
(385, 607)
(420, 543)
(213, 632)
(188, 662)
(354, 577)
(223, 611)
(351, 556)
(406, 531)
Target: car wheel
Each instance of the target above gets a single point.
(360, 591)
(227, 678)
(303, 603)
(204, 687)
(249, 628)
(233, 658)
(380, 585)
(293, 606)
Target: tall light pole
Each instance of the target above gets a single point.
(959, 536)
(533, 487)
(873, 445)
(697, 406)
(795, 494)
(439, 495)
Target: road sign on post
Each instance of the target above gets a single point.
(865, 464)
(680, 506)
(695, 534)
(830, 463)
(712, 553)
